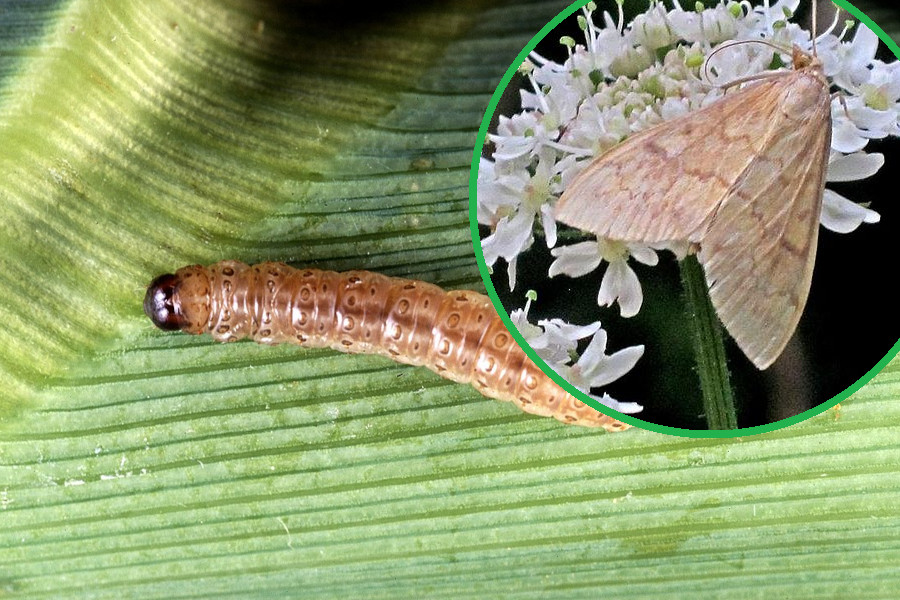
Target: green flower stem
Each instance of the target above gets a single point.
(709, 348)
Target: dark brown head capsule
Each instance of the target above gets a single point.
(161, 305)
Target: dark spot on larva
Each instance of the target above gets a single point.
(226, 315)
(462, 298)
(402, 306)
(265, 333)
(524, 401)
(570, 418)
(393, 352)
(324, 288)
(321, 327)
(453, 320)
(226, 285)
(301, 338)
(426, 303)
(531, 382)
(500, 340)
(228, 271)
(302, 318)
(416, 347)
(444, 347)
(463, 361)
(354, 280)
(551, 400)
(267, 317)
(439, 368)
(490, 363)
(350, 300)
(305, 293)
(373, 291)
(346, 343)
(308, 273)
(508, 382)
(222, 329)
(479, 318)
(349, 323)
(274, 273)
(270, 285)
(409, 286)
(396, 332)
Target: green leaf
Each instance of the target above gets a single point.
(141, 136)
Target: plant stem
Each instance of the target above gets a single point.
(709, 348)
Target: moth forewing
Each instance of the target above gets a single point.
(742, 179)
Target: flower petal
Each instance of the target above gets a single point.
(549, 224)
(511, 272)
(611, 368)
(623, 407)
(644, 254)
(846, 137)
(842, 215)
(850, 167)
(576, 260)
(620, 283)
(511, 237)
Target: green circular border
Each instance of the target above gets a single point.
(504, 315)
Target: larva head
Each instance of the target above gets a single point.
(179, 300)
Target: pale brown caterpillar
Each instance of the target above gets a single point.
(456, 334)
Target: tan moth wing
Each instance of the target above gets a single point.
(742, 178)
(456, 334)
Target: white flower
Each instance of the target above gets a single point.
(652, 30)
(855, 58)
(838, 213)
(619, 282)
(596, 369)
(555, 341)
(520, 197)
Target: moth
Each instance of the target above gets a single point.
(456, 334)
(742, 180)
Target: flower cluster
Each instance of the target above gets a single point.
(556, 341)
(626, 78)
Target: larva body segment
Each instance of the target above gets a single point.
(456, 334)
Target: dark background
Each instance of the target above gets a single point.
(847, 327)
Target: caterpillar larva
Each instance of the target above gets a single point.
(456, 334)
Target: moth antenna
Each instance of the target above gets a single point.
(815, 14)
(843, 100)
(736, 43)
(834, 25)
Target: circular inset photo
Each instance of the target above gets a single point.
(682, 213)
